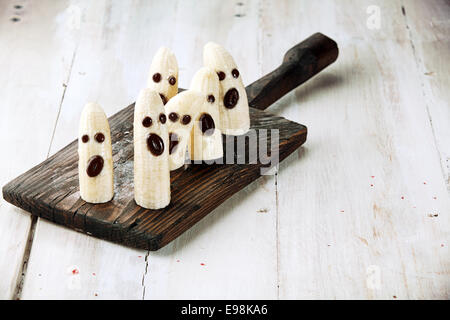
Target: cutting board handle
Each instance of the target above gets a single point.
(300, 63)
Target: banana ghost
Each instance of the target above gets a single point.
(233, 103)
(151, 151)
(181, 111)
(163, 76)
(95, 168)
(206, 137)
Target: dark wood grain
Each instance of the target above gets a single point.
(300, 63)
(50, 190)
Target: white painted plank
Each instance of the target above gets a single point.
(361, 209)
(132, 50)
(372, 103)
(34, 63)
(429, 26)
(232, 252)
(110, 67)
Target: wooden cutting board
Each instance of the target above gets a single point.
(50, 190)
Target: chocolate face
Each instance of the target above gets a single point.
(173, 142)
(85, 138)
(207, 124)
(163, 98)
(173, 116)
(235, 73)
(95, 166)
(231, 98)
(211, 98)
(155, 144)
(162, 118)
(147, 122)
(221, 75)
(157, 77)
(172, 80)
(99, 137)
(186, 119)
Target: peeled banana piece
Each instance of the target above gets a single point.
(151, 151)
(95, 167)
(206, 137)
(233, 103)
(163, 76)
(181, 111)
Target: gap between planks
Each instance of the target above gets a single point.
(259, 44)
(145, 274)
(420, 71)
(34, 219)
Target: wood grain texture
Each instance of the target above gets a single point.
(118, 32)
(362, 217)
(51, 189)
(121, 219)
(121, 272)
(219, 262)
(430, 43)
(300, 63)
(372, 104)
(303, 66)
(30, 96)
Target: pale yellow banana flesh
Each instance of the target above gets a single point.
(184, 113)
(163, 75)
(206, 136)
(233, 104)
(151, 151)
(95, 167)
(181, 113)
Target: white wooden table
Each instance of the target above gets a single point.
(361, 211)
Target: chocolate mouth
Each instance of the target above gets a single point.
(155, 144)
(95, 166)
(231, 98)
(173, 142)
(207, 124)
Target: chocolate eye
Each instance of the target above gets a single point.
(157, 77)
(162, 118)
(163, 98)
(211, 98)
(147, 122)
(173, 116)
(221, 75)
(172, 80)
(85, 138)
(186, 119)
(235, 73)
(99, 137)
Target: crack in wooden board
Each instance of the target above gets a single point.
(50, 190)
